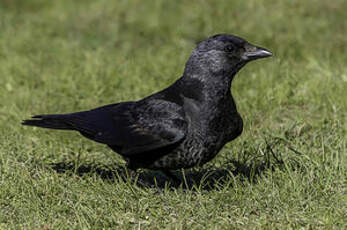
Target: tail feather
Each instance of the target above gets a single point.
(48, 121)
(96, 124)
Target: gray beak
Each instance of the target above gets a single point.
(255, 52)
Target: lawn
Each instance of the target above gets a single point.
(286, 171)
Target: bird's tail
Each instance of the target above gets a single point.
(53, 121)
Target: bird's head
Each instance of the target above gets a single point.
(223, 54)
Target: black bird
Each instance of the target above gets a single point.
(182, 126)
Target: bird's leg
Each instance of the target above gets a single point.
(131, 171)
(172, 176)
(131, 174)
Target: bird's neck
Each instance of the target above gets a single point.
(205, 88)
(211, 74)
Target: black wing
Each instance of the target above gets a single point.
(150, 125)
(129, 127)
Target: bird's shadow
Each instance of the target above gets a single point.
(209, 178)
(206, 178)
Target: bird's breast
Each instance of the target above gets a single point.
(210, 127)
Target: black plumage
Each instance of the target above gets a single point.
(181, 126)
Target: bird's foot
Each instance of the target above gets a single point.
(175, 179)
(134, 177)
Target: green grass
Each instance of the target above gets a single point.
(286, 171)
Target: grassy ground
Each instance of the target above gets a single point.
(286, 171)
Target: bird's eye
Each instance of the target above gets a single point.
(229, 48)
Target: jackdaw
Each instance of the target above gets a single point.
(182, 126)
